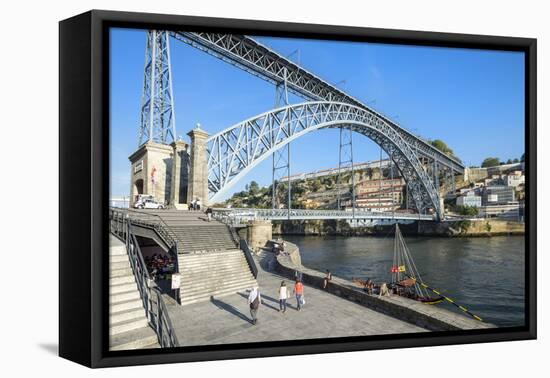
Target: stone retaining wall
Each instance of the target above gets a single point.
(429, 317)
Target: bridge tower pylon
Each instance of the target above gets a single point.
(345, 163)
(281, 157)
(157, 116)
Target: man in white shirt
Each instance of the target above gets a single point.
(283, 296)
(254, 300)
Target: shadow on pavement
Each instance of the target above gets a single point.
(227, 307)
(288, 305)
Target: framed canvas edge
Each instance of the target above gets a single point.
(100, 20)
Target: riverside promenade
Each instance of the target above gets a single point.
(226, 320)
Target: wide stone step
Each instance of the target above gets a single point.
(117, 250)
(125, 305)
(121, 272)
(190, 265)
(214, 233)
(141, 338)
(203, 236)
(211, 255)
(194, 237)
(205, 247)
(118, 258)
(121, 316)
(121, 280)
(120, 265)
(226, 275)
(205, 270)
(212, 261)
(123, 297)
(216, 285)
(127, 325)
(209, 273)
(124, 287)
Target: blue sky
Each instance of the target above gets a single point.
(471, 99)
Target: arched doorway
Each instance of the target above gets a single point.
(138, 188)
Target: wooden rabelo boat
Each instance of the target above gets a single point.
(406, 279)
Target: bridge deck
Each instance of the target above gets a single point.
(226, 319)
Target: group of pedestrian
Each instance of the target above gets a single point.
(255, 299)
(195, 204)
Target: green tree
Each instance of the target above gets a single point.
(442, 146)
(490, 162)
(253, 188)
(509, 161)
(522, 157)
(467, 210)
(516, 160)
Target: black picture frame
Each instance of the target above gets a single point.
(84, 192)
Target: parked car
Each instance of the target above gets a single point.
(147, 201)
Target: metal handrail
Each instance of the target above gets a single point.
(243, 245)
(162, 227)
(162, 230)
(157, 313)
(155, 308)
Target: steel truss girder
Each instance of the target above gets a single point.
(236, 150)
(157, 118)
(257, 59)
(240, 215)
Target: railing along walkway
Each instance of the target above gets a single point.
(154, 305)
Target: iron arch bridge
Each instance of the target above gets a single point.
(235, 151)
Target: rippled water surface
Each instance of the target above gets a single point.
(486, 275)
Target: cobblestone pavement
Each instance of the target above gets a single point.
(226, 320)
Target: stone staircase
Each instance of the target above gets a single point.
(128, 325)
(205, 237)
(192, 230)
(214, 274)
(209, 260)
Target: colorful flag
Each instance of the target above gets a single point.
(154, 175)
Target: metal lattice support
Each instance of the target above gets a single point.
(345, 163)
(240, 215)
(281, 157)
(236, 150)
(158, 120)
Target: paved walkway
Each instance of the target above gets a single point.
(227, 319)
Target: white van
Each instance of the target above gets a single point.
(147, 201)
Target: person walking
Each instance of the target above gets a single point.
(299, 292)
(254, 300)
(209, 213)
(283, 295)
(198, 204)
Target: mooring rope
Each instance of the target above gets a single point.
(451, 301)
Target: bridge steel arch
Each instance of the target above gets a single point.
(235, 151)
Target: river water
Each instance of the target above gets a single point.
(485, 275)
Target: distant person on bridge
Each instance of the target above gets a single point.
(299, 292)
(209, 213)
(198, 204)
(254, 300)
